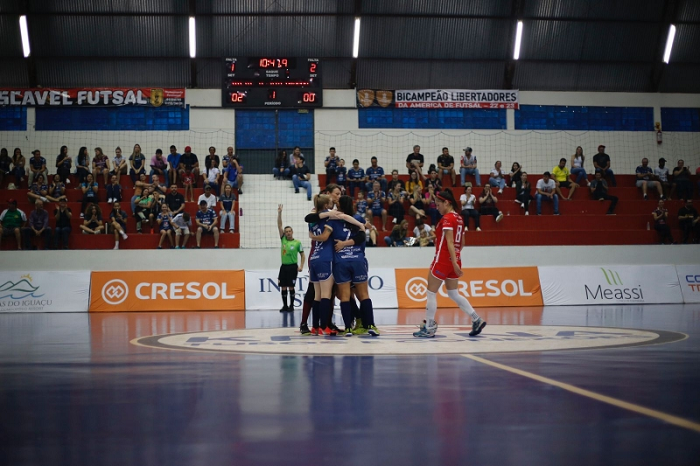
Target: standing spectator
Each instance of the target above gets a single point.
(117, 220)
(413, 182)
(11, 222)
(165, 226)
(515, 174)
(38, 226)
(546, 190)
(181, 224)
(231, 175)
(92, 220)
(561, 179)
(431, 201)
(57, 190)
(601, 162)
(119, 163)
(301, 176)
(523, 193)
(433, 180)
(188, 183)
(188, 160)
(397, 237)
(331, 163)
(159, 166)
(64, 163)
(235, 164)
(446, 165)
(114, 191)
(468, 201)
(82, 165)
(361, 204)
(175, 200)
(90, 192)
(660, 216)
(577, 169)
(212, 156)
(356, 178)
(394, 180)
(100, 165)
(61, 233)
(645, 179)
(137, 161)
(228, 209)
(415, 198)
(599, 191)
(661, 173)
(396, 199)
(5, 162)
(488, 202)
(291, 263)
(341, 176)
(497, 179)
(415, 161)
(467, 166)
(206, 224)
(173, 164)
(681, 179)
(208, 198)
(375, 173)
(211, 176)
(281, 168)
(18, 164)
(689, 221)
(37, 166)
(376, 199)
(38, 190)
(144, 210)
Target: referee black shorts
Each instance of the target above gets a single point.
(288, 275)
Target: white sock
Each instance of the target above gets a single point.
(123, 235)
(116, 245)
(431, 307)
(463, 304)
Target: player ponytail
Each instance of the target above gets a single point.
(345, 205)
(447, 196)
(321, 203)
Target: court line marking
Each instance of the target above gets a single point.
(669, 418)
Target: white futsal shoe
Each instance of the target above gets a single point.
(427, 330)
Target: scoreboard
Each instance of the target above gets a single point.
(272, 82)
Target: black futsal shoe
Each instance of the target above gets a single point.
(290, 309)
(304, 329)
(477, 327)
(285, 309)
(332, 326)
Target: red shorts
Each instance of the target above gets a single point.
(444, 270)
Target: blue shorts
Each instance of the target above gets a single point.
(320, 271)
(377, 212)
(354, 271)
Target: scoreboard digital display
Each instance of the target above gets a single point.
(272, 82)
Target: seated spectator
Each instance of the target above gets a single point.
(546, 191)
(182, 224)
(330, 163)
(92, 220)
(424, 239)
(100, 165)
(341, 176)
(661, 173)
(577, 169)
(117, 220)
(5, 162)
(137, 161)
(188, 182)
(561, 180)
(660, 216)
(599, 191)
(228, 209)
(119, 164)
(468, 201)
(301, 176)
(394, 181)
(159, 166)
(281, 168)
(82, 165)
(645, 179)
(433, 180)
(356, 178)
(601, 162)
(208, 198)
(235, 164)
(446, 165)
(468, 167)
(415, 161)
(212, 156)
(523, 193)
(488, 202)
(375, 173)
(11, 222)
(397, 237)
(689, 221)
(175, 200)
(413, 182)
(681, 180)
(206, 224)
(57, 190)
(415, 198)
(173, 165)
(231, 175)
(189, 166)
(370, 231)
(515, 174)
(430, 200)
(376, 199)
(38, 226)
(497, 179)
(211, 176)
(61, 233)
(165, 226)
(18, 167)
(422, 229)
(38, 190)
(114, 191)
(37, 166)
(90, 192)
(144, 210)
(138, 188)
(396, 199)
(64, 163)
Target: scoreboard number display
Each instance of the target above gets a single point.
(272, 82)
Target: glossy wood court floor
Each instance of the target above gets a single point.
(76, 390)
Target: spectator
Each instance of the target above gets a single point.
(301, 176)
(361, 203)
(206, 224)
(18, 164)
(424, 240)
(376, 199)
(181, 224)
(331, 163)
(497, 179)
(546, 191)
(645, 179)
(433, 180)
(397, 237)
(681, 179)
(5, 162)
(165, 226)
(38, 190)
(138, 188)
(57, 190)
(396, 199)
(158, 190)
(137, 161)
(523, 193)
(211, 176)
(394, 180)
(159, 166)
(415, 198)
(117, 220)
(415, 161)
(231, 175)
(208, 198)
(11, 222)
(660, 216)
(38, 226)
(414, 181)
(341, 176)
(212, 156)
(431, 202)
(356, 178)
(188, 160)
(188, 183)
(235, 164)
(577, 169)
(82, 165)
(601, 162)
(375, 173)
(92, 220)
(228, 209)
(661, 173)
(421, 229)
(296, 153)
(119, 163)
(175, 200)
(599, 191)
(468, 167)
(114, 191)
(63, 216)
(226, 159)
(561, 179)
(90, 192)
(468, 201)
(64, 163)
(370, 230)
(173, 164)
(144, 210)
(37, 166)
(688, 221)
(446, 165)
(100, 165)
(515, 174)
(488, 202)
(281, 168)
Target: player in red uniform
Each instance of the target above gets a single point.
(447, 267)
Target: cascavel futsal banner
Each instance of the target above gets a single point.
(28, 291)
(93, 97)
(439, 98)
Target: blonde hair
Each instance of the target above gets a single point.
(321, 202)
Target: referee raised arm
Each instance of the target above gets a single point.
(287, 277)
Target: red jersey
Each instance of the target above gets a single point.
(451, 221)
